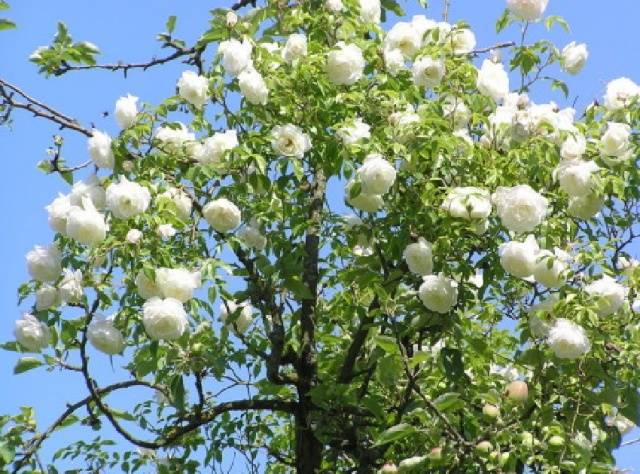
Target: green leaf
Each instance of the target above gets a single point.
(298, 288)
(556, 84)
(387, 344)
(395, 433)
(26, 363)
(177, 392)
(554, 19)
(393, 6)
(4, 5)
(6, 24)
(171, 23)
(503, 21)
(448, 401)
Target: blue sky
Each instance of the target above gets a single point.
(125, 30)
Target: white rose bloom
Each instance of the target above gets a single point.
(31, 333)
(364, 202)
(635, 306)
(404, 121)
(99, 147)
(351, 221)
(404, 38)
(126, 111)
(455, 109)
(86, 225)
(354, 133)
(70, 288)
(610, 295)
(576, 176)
(585, 207)
(133, 236)
(468, 203)
(177, 283)
(623, 424)
(253, 87)
(573, 57)
(104, 336)
(427, 72)
(376, 174)
(345, 64)
(44, 263)
(574, 146)
(419, 257)
(394, 61)
(174, 139)
(215, 147)
(166, 231)
(438, 293)
(179, 201)
(551, 268)
(334, 5)
(252, 237)
(444, 30)
(568, 340)
(462, 40)
(193, 88)
(146, 287)
(164, 318)
(47, 297)
(493, 80)
(519, 258)
(90, 188)
(628, 266)
(529, 10)
(421, 25)
(290, 140)
(236, 56)
(363, 247)
(296, 47)
(222, 215)
(520, 208)
(370, 11)
(126, 199)
(620, 92)
(615, 140)
(244, 316)
(58, 211)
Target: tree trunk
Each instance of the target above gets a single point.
(308, 448)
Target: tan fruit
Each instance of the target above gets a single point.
(517, 391)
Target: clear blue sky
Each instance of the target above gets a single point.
(125, 29)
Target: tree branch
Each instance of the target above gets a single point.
(506, 44)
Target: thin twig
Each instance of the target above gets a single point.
(507, 44)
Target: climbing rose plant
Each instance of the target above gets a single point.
(475, 311)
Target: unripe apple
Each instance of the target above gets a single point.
(504, 458)
(483, 447)
(527, 439)
(517, 391)
(490, 411)
(197, 348)
(435, 454)
(556, 441)
(388, 468)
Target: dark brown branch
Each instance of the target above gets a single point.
(506, 44)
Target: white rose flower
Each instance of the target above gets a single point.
(529, 10)
(31, 333)
(585, 207)
(253, 87)
(126, 199)
(90, 188)
(519, 258)
(462, 41)
(364, 202)
(419, 257)
(574, 146)
(376, 175)
(44, 263)
(345, 64)
(438, 293)
(363, 247)
(290, 140)
(222, 215)
(126, 111)
(427, 72)
(623, 424)
(334, 5)
(177, 283)
(573, 57)
(493, 80)
(243, 313)
(133, 236)
(231, 19)
(86, 225)
(146, 287)
(179, 201)
(394, 61)
(468, 203)
(175, 138)
(99, 147)
(455, 109)
(404, 121)
(551, 268)
(166, 231)
(215, 147)
(252, 237)
(620, 92)
(635, 306)
(236, 56)
(520, 208)
(193, 88)
(351, 221)
(576, 176)
(444, 30)
(47, 297)
(354, 133)
(295, 47)
(58, 211)
(615, 140)
(421, 25)
(70, 288)
(403, 37)
(568, 340)
(610, 295)
(104, 336)
(370, 11)
(164, 318)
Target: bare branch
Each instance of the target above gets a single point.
(506, 44)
